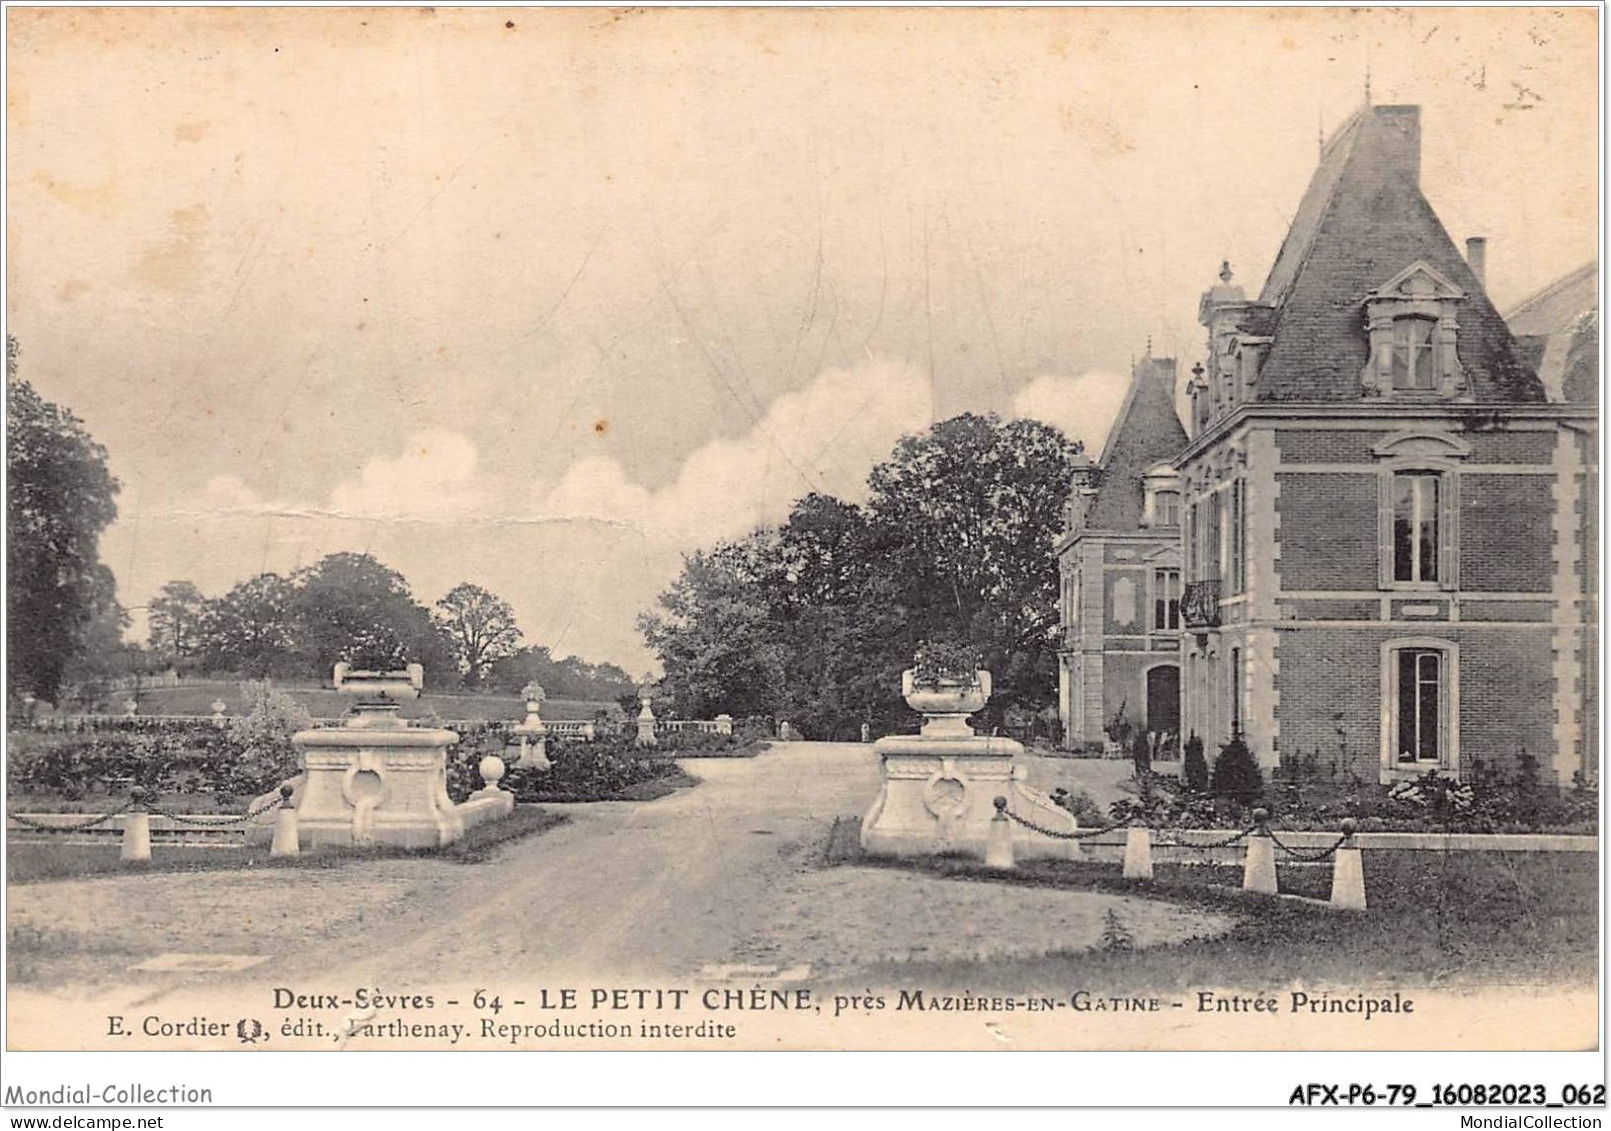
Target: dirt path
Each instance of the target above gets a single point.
(728, 872)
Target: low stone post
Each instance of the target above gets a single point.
(1137, 853)
(285, 841)
(866, 732)
(131, 707)
(136, 847)
(1348, 872)
(1258, 873)
(724, 724)
(219, 707)
(998, 843)
(785, 732)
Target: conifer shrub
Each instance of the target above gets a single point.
(1237, 776)
(1195, 768)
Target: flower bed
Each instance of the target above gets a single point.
(608, 769)
(1426, 804)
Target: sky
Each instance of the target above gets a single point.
(543, 300)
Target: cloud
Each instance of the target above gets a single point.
(1084, 407)
(579, 557)
(432, 479)
(824, 437)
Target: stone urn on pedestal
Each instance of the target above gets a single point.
(376, 779)
(532, 731)
(646, 719)
(940, 785)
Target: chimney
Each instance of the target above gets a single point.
(1401, 138)
(1477, 259)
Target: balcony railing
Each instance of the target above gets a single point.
(1199, 606)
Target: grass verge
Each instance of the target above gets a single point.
(33, 861)
(1435, 919)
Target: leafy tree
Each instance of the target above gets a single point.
(60, 497)
(568, 678)
(176, 614)
(965, 518)
(248, 630)
(88, 675)
(814, 620)
(481, 627)
(714, 632)
(349, 607)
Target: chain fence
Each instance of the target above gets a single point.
(82, 826)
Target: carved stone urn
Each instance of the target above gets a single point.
(945, 704)
(533, 732)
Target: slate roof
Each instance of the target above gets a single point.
(1146, 433)
(1561, 324)
(1362, 221)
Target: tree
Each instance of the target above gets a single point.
(349, 607)
(964, 520)
(480, 626)
(248, 629)
(714, 633)
(814, 620)
(175, 616)
(60, 497)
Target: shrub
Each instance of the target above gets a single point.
(1195, 767)
(579, 771)
(261, 754)
(1081, 804)
(1141, 755)
(1237, 776)
(705, 742)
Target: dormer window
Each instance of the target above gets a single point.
(1414, 354)
(1160, 497)
(1166, 505)
(1413, 330)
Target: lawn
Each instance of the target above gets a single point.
(29, 860)
(1435, 918)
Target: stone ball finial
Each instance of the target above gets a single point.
(1261, 816)
(492, 770)
(1349, 826)
(1001, 805)
(1225, 272)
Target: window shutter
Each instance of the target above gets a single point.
(1449, 530)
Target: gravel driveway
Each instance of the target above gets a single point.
(728, 872)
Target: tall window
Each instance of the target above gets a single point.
(1413, 352)
(1212, 540)
(1415, 525)
(1194, 524)
(1420, 681)
(1166, 599)
(1236, 692)
(1167, 506)
(1238, 540)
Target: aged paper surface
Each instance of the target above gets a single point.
(546, 300)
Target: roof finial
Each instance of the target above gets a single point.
(1225, 271)
(1320, 135)
(1367, 74)
(1149, 345)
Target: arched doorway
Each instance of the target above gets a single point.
(1163, 699)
